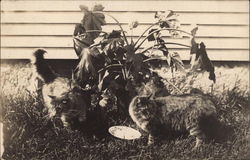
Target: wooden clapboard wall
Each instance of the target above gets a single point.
(25, 25)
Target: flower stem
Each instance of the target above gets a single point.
(131, 36)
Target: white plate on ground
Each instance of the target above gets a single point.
(124, 132)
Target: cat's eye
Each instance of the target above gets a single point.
(65, 101)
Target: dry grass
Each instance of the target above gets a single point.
(227, 78)
(30, 135)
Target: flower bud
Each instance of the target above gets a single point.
(133, 24)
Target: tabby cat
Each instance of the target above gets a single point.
(62, 96)
(190, 112)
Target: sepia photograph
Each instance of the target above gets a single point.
(124, 80)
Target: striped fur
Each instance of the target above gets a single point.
(176, 113)
(63, 98)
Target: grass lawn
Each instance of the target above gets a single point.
(30, 135)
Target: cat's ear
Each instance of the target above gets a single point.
(52, 97)
(151, 96)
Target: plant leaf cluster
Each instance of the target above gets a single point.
(111, 62)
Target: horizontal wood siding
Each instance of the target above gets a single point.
(26, 25)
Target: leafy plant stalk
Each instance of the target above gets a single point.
(155, 45)
(158, 30)
(128, 70)
(118, 23)
(91, 31)
(145, 32)
(131, 36)
(123, 70)
(109, 66)
(125, 54)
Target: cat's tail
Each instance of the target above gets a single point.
(215, 129)
(41, 66)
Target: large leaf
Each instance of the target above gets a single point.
(153, 36)
(90, 62)
(162, 47)
(113, 34)
(101, 80)
(81, 39)
(202, 62)
(92, 20)
(130, 49)
(113, 45)
(114, 48)
(194, 46)
(206, 64)
(85, 65)
(194, 30)
(79, 29)
(169, 19)
(194, 54)
(166, 17)
(135, 59)
(81, 42)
